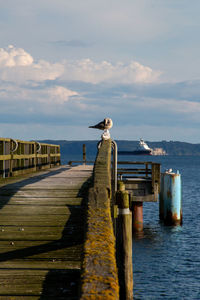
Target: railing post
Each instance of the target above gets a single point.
(124, 244)
(4, 162)
(84, 154)
(13, 148)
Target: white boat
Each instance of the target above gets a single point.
(142, 149)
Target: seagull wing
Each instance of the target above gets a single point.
(100, 125)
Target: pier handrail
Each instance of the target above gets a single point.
(99, 272)
(20, 157)
(151, 171)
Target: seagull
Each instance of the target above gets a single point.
(104, 125)
(168, 170)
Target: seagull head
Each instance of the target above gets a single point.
(108, 123)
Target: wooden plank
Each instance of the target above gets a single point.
(5, 157)
(37, 264)
(65, 287)
(146, 198)
(33, 210)
(53, 185)
(10, 233)
(48, 251)
(54, 154)
(41, 273)
(52, 284)
(41, 193)
(23, 156)
(17, 248)
(40, 236)
(40, 187)
(38, 220)
(40, 201)
(16, 245)
(4, 139)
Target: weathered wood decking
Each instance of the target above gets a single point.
(42, 220)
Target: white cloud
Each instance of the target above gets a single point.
(60, 94)
(13, 57)
(18, 66)
(53, 95)
(87, 70)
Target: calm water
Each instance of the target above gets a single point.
(166, 260)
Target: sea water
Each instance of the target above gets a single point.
(166, 259)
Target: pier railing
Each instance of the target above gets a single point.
(138, 169)
(141, 170)
(100, 276)
(20, 157)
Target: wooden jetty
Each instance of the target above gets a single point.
(61, 226)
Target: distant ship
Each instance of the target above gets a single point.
(142, 149)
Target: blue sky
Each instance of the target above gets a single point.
(65, 65)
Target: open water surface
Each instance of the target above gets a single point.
(166, 260)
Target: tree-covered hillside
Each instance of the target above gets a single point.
(171, 147)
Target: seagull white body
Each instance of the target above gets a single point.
(104, 125)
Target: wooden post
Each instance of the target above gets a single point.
(84, 154)
(2, 161)
(172, 206)
(34, 151)
(137, 216)
(124, 244)
(146, 169)
(11, 159)
(161, 199)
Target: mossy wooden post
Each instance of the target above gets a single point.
(124, 243)
(99, 268)
(84, 154)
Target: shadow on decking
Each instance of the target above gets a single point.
(59, 283)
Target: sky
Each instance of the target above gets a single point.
(65, 65)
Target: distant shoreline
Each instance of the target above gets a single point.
(171, 147)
